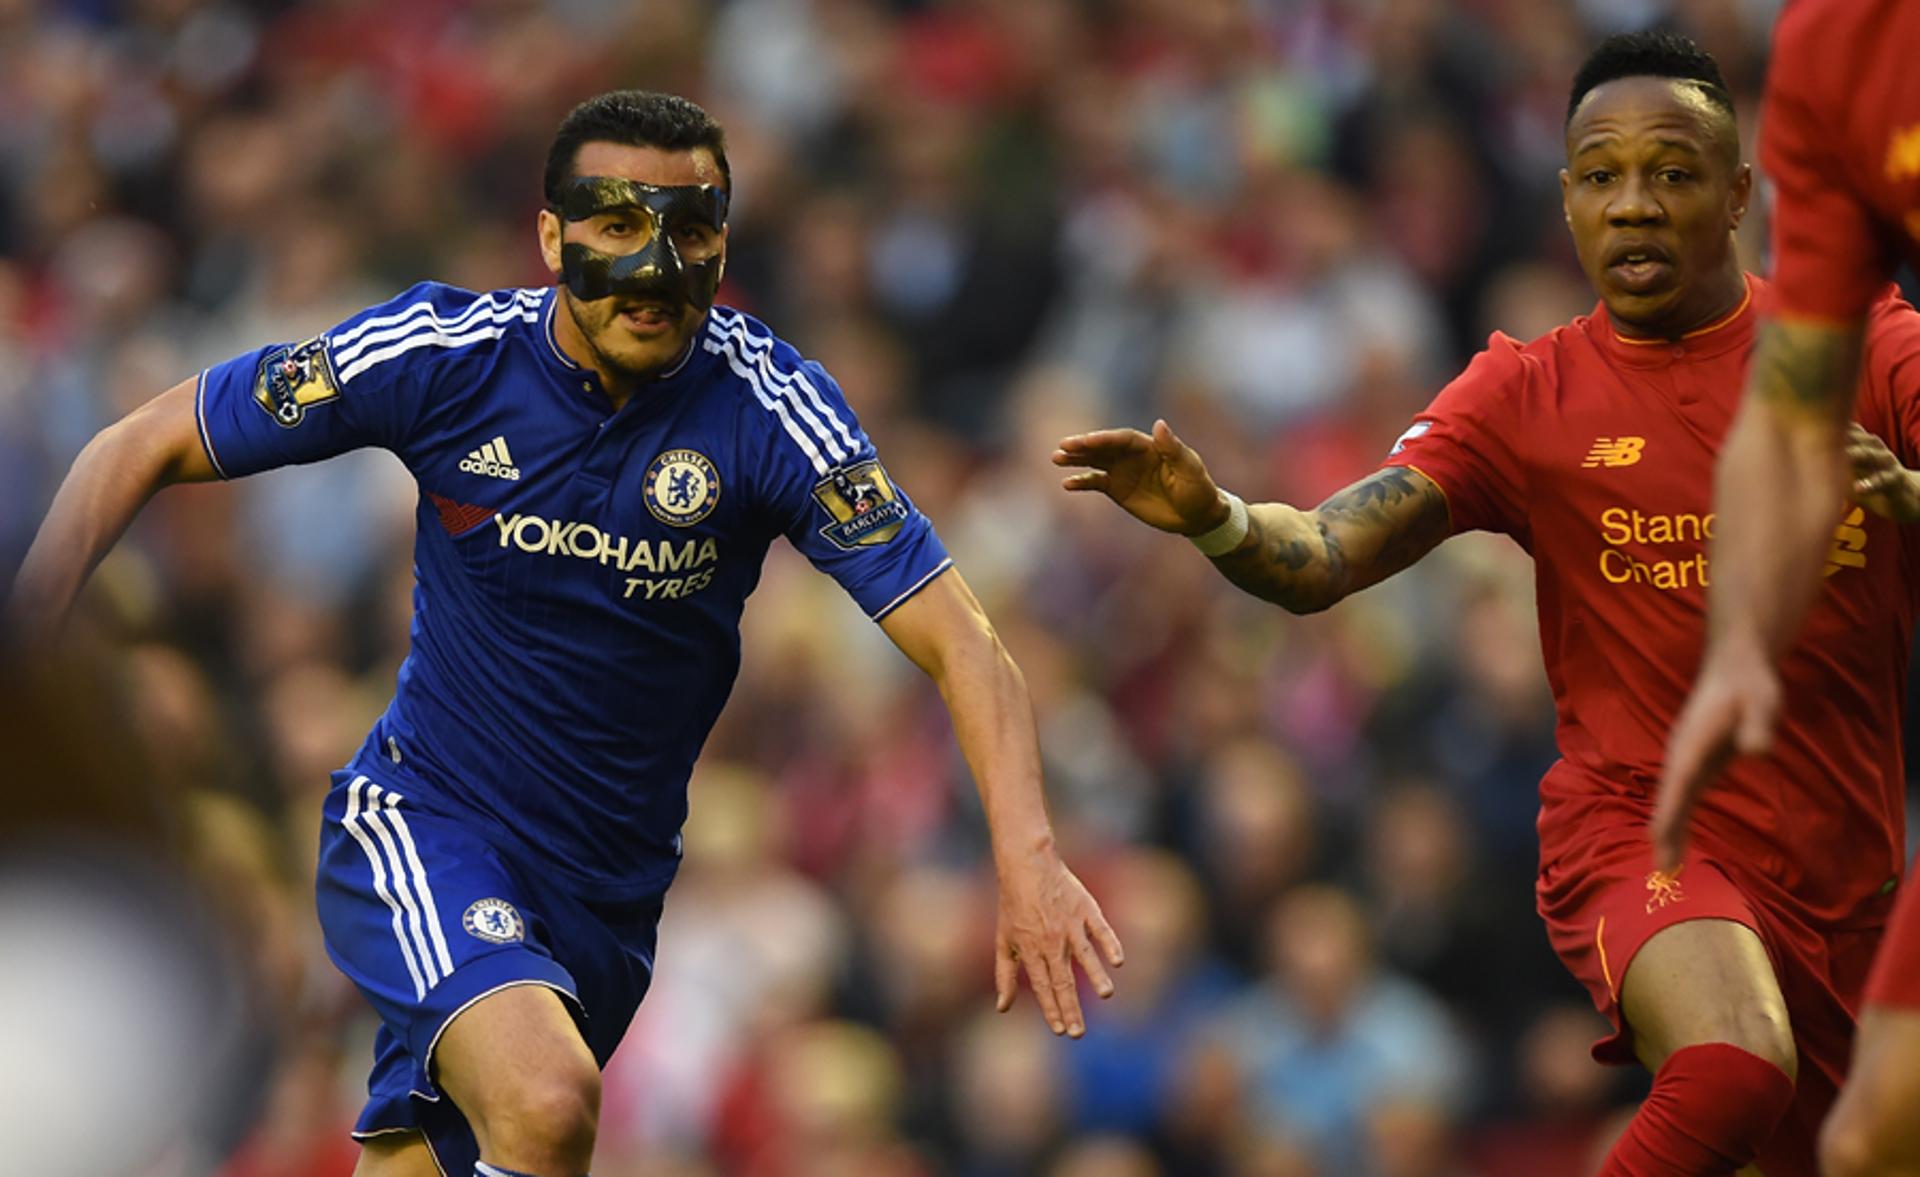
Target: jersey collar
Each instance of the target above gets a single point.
(583, 382)
(552, 351)
(1730, 331)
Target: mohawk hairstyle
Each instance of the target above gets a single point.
(634, 118)
(1650, 53)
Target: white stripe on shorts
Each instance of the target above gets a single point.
(420, 885)
(352, 823)
(415, 925)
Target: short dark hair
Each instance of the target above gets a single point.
(636, 118)
(1650, 53)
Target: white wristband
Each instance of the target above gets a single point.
(1228, 535)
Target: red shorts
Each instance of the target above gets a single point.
(1602, 901)
(1896, 972)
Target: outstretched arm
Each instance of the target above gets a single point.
(1047, 919)
(1303, 561)
(113, 477)
(1777, 492)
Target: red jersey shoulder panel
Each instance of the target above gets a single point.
(1465, 439)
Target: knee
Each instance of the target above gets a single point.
(1713, 1107)
(1846, 1150)
(547, 1119)
(1770, 1039)
(1763, 1038)
(1767, 1045)
(1763, 1033)
(1859, 1141)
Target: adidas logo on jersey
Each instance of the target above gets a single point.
(492, 461)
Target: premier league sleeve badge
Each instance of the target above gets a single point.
(294, 378)
(865, 508)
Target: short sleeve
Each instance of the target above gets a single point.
(1462, 441)
(838, 504)
(1830, 258)
(1889, 398)
(347, 388)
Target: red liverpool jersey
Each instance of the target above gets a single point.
(1840, 138)
(1596, 453)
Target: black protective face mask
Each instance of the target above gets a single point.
(655, 270)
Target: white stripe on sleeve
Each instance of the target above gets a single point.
(351, 342)
(776, 407)
(761, 351)
(431, 338)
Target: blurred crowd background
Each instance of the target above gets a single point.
(1282, 224)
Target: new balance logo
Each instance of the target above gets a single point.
(1614, 451)
(491, 460)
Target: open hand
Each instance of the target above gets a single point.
(1878, 481)
(1157, 478)
(1047, 922)
(1731, 712)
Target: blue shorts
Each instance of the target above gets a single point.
(427, 916)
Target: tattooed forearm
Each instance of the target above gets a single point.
(1806, 366)
(1306, 561)
(1398, 514)
(1289, 559)
(1379, 492)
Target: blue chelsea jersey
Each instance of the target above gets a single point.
(579, 572)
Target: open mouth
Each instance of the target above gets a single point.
(649, 317)
(1640, 266)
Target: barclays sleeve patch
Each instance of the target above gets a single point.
(864, 506)
(294, 378)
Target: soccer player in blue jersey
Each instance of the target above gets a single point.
(602, 466)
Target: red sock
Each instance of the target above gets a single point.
(1710, 1110)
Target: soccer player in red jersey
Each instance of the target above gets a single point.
(1735, 976)
(1840, 138)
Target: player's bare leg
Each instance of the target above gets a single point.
(1874, 1130)
(1706, 981)
(515, 1065)
(400, 1154)
(1709, 1021)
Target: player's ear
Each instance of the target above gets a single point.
(1566, 190)
(1740, 192)
(549, 226)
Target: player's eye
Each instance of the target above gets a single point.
(697, 238)
(1598, 176)
(1675, 175)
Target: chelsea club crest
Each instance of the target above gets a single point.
(495, 921)
(681, 487)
